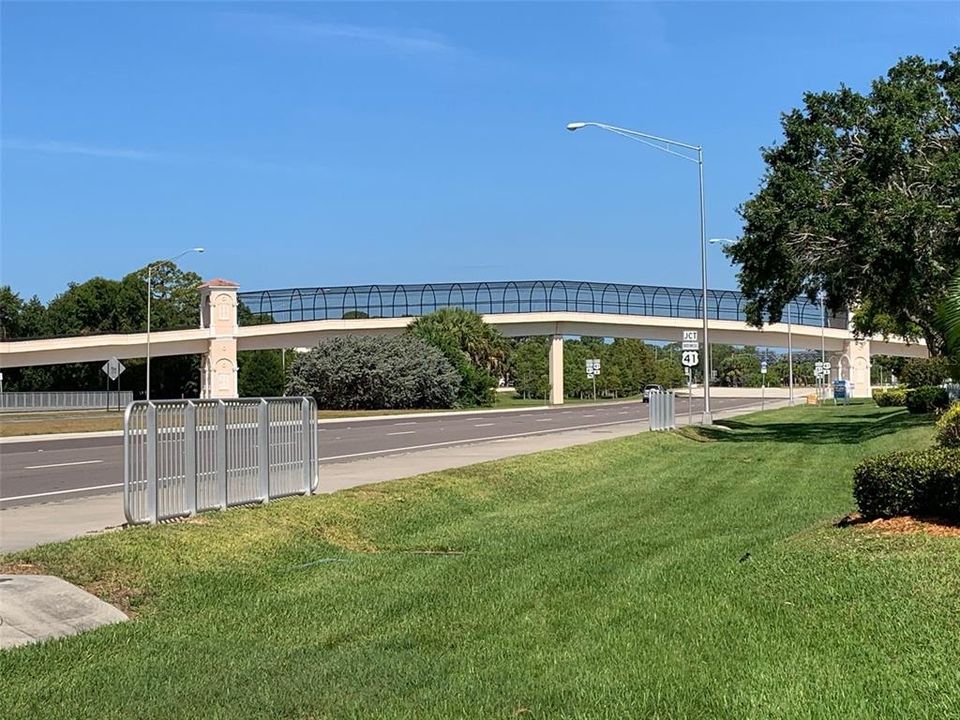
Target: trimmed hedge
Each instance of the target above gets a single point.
(894, 397)
(912, 482)
(948, 427)
(928, 399)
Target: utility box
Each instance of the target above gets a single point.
(842, 390)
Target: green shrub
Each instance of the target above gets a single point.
(948, 427)
(894, 397)
(914, 482)
(928, 399)
(366, 372)
(918, 372)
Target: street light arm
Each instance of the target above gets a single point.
(651, 144)
(635, 135)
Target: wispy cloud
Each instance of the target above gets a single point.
(237, 162)
(56, 147)
(403, 40)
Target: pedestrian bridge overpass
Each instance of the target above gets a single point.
(232, 321)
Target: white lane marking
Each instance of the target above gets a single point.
(412, 422)
(544, 419)
(590, 415)
(60, 492)
(625, 412)
(404, 432)
(78, 462)
(484, 424)
(470, 441)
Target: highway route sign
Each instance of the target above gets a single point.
(689, 358)
(112, 368)
(691, 345)
(689, 335)
(593, 367)
(763, 367)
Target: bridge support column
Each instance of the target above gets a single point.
(218, 314)
(857, 367)
(556, 370)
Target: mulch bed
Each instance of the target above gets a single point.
(905, 525)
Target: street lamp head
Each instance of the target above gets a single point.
(199, 250)
(726, 241)
(575, 126)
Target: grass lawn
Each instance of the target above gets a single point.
(657, 576)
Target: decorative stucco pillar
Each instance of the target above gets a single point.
(556, 370)
(218, 314)
(857, 366)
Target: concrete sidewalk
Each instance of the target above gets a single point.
(30, 525)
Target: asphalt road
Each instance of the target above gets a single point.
(57, 469)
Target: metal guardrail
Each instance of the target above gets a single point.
(663, 410)
(65, 400)
(521, 296)
(181, 457)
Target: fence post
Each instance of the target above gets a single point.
(221, 443)
(263, 449)
(190, 456)
(306, 441)
(152, 463)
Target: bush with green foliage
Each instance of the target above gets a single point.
(918, 372)
(892, 397)
(913, 482)
(366, 372)
(261, 373)
(928, 399)
(475, 349)
(948, 427)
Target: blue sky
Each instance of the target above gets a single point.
(320, 144)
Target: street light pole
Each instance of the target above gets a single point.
(790, 352)
(707, 415)
(150, 298)
(822, 296)
(652, 141)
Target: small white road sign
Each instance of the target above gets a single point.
(690, 335)
(112, 368)
(689, 358)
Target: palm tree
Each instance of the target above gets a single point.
(949, 321)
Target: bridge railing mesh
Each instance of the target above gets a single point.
(522, 296)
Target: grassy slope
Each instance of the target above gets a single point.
(600, 581)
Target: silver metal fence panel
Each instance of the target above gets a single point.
(187, 456)
(151, 474)
(190, 458)
(171, 460)
(135, 463)
(242, 449)
(64, 400)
